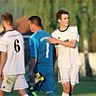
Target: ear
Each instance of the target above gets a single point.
(59, 20)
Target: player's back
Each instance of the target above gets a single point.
(45, 50)
(13, 42)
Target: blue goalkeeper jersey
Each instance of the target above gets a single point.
(40, 48)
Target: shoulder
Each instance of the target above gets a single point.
(3, 35)
(55, 32)
(43, 32)
(73, 27)
(12, 33)
(33, 38)
(17, 32)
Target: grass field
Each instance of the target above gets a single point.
(85, 88)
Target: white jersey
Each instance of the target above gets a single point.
(67, 57)
(12, 43)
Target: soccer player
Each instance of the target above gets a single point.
(66, 38)
(41, 55)
(12, 68)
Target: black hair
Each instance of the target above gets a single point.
(35, 20)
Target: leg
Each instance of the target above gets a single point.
(72, 88)
(21, 85)
(66, 89)
(74, 77)
(65, 79)
(1, 93)
(22, 92)
(49, 84)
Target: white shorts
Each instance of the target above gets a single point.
(69, 75)
(16, 82)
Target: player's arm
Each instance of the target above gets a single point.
(32, 66)
(70, 44)
(33, 46)
(3, 59)
(3, 54)
(0, 57)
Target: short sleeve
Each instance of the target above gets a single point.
(54, 35)
(3, 48)
(74, 33)
(33, 45)
(3, 43)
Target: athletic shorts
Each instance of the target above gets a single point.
(15, 82)
(48, 84)
(69, 75)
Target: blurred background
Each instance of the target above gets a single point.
(82, 14)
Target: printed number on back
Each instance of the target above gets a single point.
(16, 45)
(47, 50)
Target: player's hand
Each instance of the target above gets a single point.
(30, 75)
(52, 40)
(30, 78)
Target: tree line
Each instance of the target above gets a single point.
(82, 14)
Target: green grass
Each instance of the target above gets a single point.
(85, 88)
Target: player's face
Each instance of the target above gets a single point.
(64, 21)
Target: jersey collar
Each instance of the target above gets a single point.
(64, 29)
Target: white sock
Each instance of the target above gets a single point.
(65, 94)
(26, 95)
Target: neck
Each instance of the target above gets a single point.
(63, 28)
(37, 29)
(9, 28)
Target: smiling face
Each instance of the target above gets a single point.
(64, 20)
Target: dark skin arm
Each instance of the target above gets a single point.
(32, 66)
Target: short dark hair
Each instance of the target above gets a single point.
(35, 20)
(7, 17)
(60, 12)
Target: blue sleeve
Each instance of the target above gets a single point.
(33, 46)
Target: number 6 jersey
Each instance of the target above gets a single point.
(12, 43)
